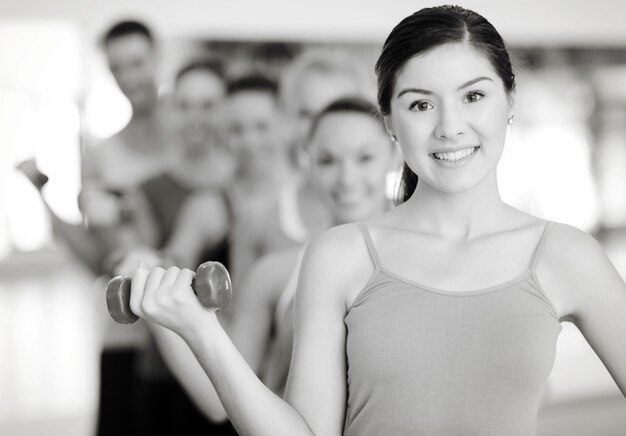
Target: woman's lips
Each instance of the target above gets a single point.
(454, 158)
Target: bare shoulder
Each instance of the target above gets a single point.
(103, 150)
(206, 199)
(337, 264)
(569, 245)
(93, 152)
(336, 246)
(571, 265)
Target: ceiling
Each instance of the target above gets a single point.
(522, 22)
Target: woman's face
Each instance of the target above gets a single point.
(449, 112)
(351, 156)
(132, 62)
(199, 95)
(255, 132)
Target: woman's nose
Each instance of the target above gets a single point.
(348, 173)
(451, 124)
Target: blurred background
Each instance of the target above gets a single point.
(565, 161)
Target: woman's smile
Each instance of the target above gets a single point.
(454, 158)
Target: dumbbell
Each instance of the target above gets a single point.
(211, 284)
(32, 173)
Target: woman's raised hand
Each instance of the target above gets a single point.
(166, 297)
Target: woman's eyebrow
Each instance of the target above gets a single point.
(427, 92)
(471, 82)
(416, 90)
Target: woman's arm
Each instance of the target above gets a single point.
(249, 329)
(143, 220)
(317, 392)
(254, 304)
(245, 244)
(181, 361)
(589, 292)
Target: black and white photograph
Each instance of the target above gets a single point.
(312, 218)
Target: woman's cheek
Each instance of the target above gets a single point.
(324, 180)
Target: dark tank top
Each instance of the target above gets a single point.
(423, 361)
(166, 196)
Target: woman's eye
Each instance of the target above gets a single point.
(421, 106)
(325, 160)
(473, 97)
(364, 158)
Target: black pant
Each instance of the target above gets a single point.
(133, 406)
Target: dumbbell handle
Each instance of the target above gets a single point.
(212, 286)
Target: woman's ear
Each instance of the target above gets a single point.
(511, 100)
(389, 129)
(303, 158)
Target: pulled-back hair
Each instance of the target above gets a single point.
(212, 66)
(126, 28)
(253, 82)
(425, 30)
(357, 105)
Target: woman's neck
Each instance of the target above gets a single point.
(145, 131)
(270, 181)
(458, 217)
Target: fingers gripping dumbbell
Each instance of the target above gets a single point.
(212, 286)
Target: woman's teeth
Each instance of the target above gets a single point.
(454, 156)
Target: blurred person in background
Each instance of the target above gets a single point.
(310, 82)
(110, 171)
(200, 162)
(258, 136)
(115, 166)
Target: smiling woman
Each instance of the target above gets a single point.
(440, 316)
(452, 105)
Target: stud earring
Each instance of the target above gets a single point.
(511, 119)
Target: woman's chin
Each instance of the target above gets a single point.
(344, 215)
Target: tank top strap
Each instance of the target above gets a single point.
(228, 204)
(539, 248)
(370, 245)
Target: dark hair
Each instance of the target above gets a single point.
(212, 66)
(126, 28)
(424, 30)
(357, 105)
(253, 82)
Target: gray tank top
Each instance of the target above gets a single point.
(423, 361)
